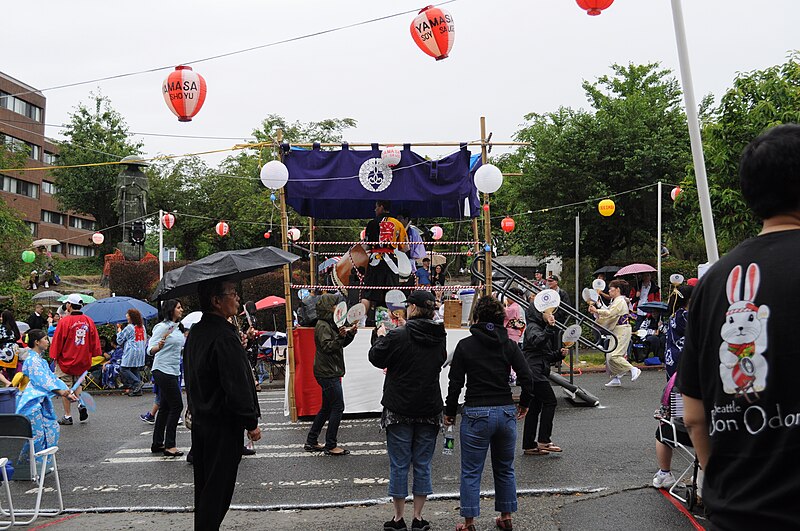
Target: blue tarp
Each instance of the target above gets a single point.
(345, 184)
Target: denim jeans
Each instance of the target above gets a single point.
(485, 427)
(407, 444)
(331, 411)
(130, 377)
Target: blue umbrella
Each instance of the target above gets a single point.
(113, 309)
(653, 307)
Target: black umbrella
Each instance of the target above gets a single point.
(607, 270)
(228, 265)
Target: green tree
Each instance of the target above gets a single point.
(634, 136)
(757, 101)
(14, 234)
(96, 133)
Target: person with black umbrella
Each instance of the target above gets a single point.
(223, 404)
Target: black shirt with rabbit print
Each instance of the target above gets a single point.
(742, 359)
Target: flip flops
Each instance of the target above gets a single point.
(342, 451)
(503, 523)
(534, 451)
(549, 447)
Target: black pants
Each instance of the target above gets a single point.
(217, 451)
(544, 404)
(169, 410)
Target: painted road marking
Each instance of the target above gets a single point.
(271, 455)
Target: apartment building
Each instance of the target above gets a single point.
(22, 119)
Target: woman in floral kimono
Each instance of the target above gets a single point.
(38, 384)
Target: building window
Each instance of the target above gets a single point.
(12, 103)
(52, 217)
(81, 223)
(31, 227)
(31, 150)
(50, 158)
(18, 186)
(80, 250)
(49, 188)
(57, 248)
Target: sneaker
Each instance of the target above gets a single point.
(148, 418)
(248, 451)
(663, 480)
(180, 421)
(422, 525)
(65, 421)
(83, 414)
(614, 382)
(635, 373)
(46, 285)
(391, 525)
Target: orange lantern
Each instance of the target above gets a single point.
(675, 193)
(606, 207)
(434, 32)
(222, 229)
(594, 7)
(168, 220)
(508, 224)
(184, 92)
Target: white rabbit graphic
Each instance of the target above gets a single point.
(743, 367)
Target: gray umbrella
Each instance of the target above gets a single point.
(49, 298)
(609, 270)
(227, 265)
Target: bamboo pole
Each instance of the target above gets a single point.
(487, 223)
(287, 294)
(312, 260)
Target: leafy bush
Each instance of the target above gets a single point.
(90, 265)
(129, 278)
(685, 267)
(17, 299)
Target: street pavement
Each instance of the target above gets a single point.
(600, 481)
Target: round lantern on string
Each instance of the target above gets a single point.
(488, 178)
(606, 207)
(434, 32)
(28, 256)
(594, 7)
(222, 229)
(363, 234)
(274, 174)
(675, 193)
(508, 224)
(268, 235)
(437, 232)
(293, 234)
(184, 92)
(98, 238)
(390, 156)
(168, 220)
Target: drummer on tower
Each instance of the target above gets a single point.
(382, 269)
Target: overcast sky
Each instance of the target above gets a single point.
(510, 58)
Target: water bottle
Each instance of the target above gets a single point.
(449, 441)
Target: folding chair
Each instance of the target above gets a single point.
(6, 525)
(15, 431)
(91, 381)
(672, 426)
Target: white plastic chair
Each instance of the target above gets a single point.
(6, 525)
(15, 430)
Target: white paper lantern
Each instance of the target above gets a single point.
(488, 178)
(98, 238)
(293, 234)
(274, 174)
(437, 232)
(391, 156)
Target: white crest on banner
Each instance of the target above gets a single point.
(374, 175)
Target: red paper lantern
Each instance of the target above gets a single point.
(507, 224)
(168, 220)
(222, 228)
(486, 207)
(594, 7)
(184, 92)
(434, 32)
(675, 193)
(267, 235)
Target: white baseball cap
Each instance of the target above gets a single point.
(74, 298)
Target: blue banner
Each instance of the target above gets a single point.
(345, 184)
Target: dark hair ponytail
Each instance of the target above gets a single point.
(34, 335)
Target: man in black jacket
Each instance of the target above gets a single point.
(37, 319)
(223, 402)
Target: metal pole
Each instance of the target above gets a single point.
(312, 256)
(574, 354)
(160, 244)
(487, 222)
(658, 234)
(694, 135)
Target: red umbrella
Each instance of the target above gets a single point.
(269, 302)
(635, 268)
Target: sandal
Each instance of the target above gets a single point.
(535, 451)
(503, 523)
(313, 447)
(464, 527)
(342, 451)
(549, 447)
